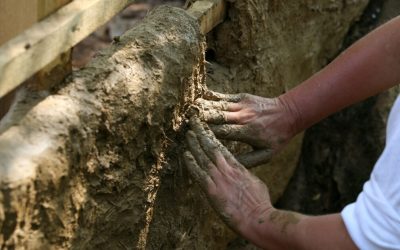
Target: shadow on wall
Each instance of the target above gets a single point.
(339, 153)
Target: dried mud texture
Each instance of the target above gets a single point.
(268, 47)
(96, 164)
(81, 168)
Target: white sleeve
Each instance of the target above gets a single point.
(373, 221)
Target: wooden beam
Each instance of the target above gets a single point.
(209, 13)
(47, 7)
(16, 16)
(54, 72)
(32, 50)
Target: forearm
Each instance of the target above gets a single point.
(369, 67)
(288, 230)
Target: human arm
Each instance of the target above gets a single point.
(242, 200)
(289, 230)
(367, 68)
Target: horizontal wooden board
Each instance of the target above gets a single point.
(15, 17)
(209, 13)
(33, 49)
(26, 54)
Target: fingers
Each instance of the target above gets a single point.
(221, 117)
(218, 112)
(222, 108)
(210, 144)
(197, 151)
(235, 132)
(214, 116)
(212, 95)
(207, 144)
(218, 105)
(255, 158)
(197, 172)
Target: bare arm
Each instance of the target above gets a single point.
(289, 230)
(367, 68)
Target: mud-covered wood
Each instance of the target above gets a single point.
(209, 13)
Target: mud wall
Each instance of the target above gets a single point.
(96, 162)
(80, 168)
(268, 47)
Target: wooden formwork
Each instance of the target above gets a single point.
(34, 40)
(18, 16)
(26, 24)
(76, 20)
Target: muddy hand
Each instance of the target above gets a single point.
(264, 123)
(235, 193)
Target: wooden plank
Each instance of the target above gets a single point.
(46, 7)
(209, 13)
(26, 54)
(16, 16)
(54, 72)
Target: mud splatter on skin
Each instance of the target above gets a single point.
(283, 219)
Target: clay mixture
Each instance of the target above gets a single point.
(100, 154)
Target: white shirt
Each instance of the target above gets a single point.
(373, 221)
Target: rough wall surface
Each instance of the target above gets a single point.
(96, 164)
(81, 169)
(268, 47)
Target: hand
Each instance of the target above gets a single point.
(243, 202)
(264, 123)
(239, 197)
